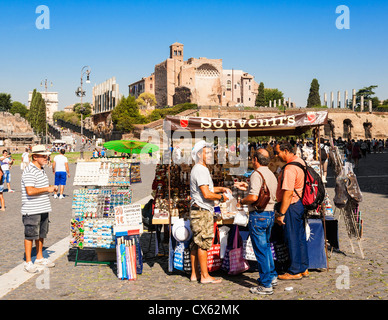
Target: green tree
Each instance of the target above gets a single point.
(18, 107)
(260, 98)
(314, 98)
(87, 109)
(126, 114)
(5, 102)
(146, 99)
(272, 94)
(33, 109)
(367, 93)
(40, 122)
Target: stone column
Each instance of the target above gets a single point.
(370, 105)
(274, 103)
(325, 99)
(346, 99)
(289, 102)
(270, 103)
(353, 99)
(362, 103)
(331, 99)
(338, 99)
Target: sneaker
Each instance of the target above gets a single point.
(30, 267)
(61, 197)
(55, 196)
(11, 190)
(261, 290)
(274, 282)
(44, 263)
(288, 276)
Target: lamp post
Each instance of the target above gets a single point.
(45, 81)
(80, 93)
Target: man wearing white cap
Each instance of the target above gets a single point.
(203, 193)
(36, 207)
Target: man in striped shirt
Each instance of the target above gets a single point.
(36, 207)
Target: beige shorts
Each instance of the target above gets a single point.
(202, 226)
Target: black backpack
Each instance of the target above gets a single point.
(313, 192)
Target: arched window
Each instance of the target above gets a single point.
(208, 71)
(228, 85)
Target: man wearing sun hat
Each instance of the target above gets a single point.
(203, 193)
(36, 207)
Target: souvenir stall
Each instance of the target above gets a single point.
(171, 186)
(347, 196)
(103, 217)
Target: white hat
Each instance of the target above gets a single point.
(198, 147)
(181, 230)
(40, 149)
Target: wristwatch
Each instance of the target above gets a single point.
(281, 214)
(222, 198)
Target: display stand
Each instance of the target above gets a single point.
(350, 196)
(104, 186)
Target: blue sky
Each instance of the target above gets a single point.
(284, 44)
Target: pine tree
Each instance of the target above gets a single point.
(31, 115)
(41, 115)
(314, 99)
(260, 98)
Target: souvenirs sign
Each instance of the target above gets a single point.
(285, 124)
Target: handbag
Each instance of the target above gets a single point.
(178, 256)
(237, 263)
(248, 253)
(214, 253)
(264, 196)
(186, 260)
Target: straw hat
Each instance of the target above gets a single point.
(40, 149)
(181, 230)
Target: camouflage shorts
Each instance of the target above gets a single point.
(202, 226)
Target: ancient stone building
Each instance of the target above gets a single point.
(197, 80)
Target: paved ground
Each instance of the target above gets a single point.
(367, 277)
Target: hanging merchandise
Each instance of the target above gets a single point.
(179, 256)
(214, 253)
(237, 263)
(248, 253)
(135, 172)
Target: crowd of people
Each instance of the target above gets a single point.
(283, 206)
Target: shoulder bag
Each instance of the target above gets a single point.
(264, 196)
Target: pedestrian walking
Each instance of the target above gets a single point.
(203, 193)
(36, 208)
(261, 220)
(25, 159)
(290, 215)
(2, 202)
(61, 172)
(6, 162)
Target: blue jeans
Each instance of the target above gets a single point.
(260, 225)
(295, 236)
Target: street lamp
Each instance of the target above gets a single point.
(45, 81)
(81, 93)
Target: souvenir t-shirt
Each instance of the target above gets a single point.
(200, 176)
